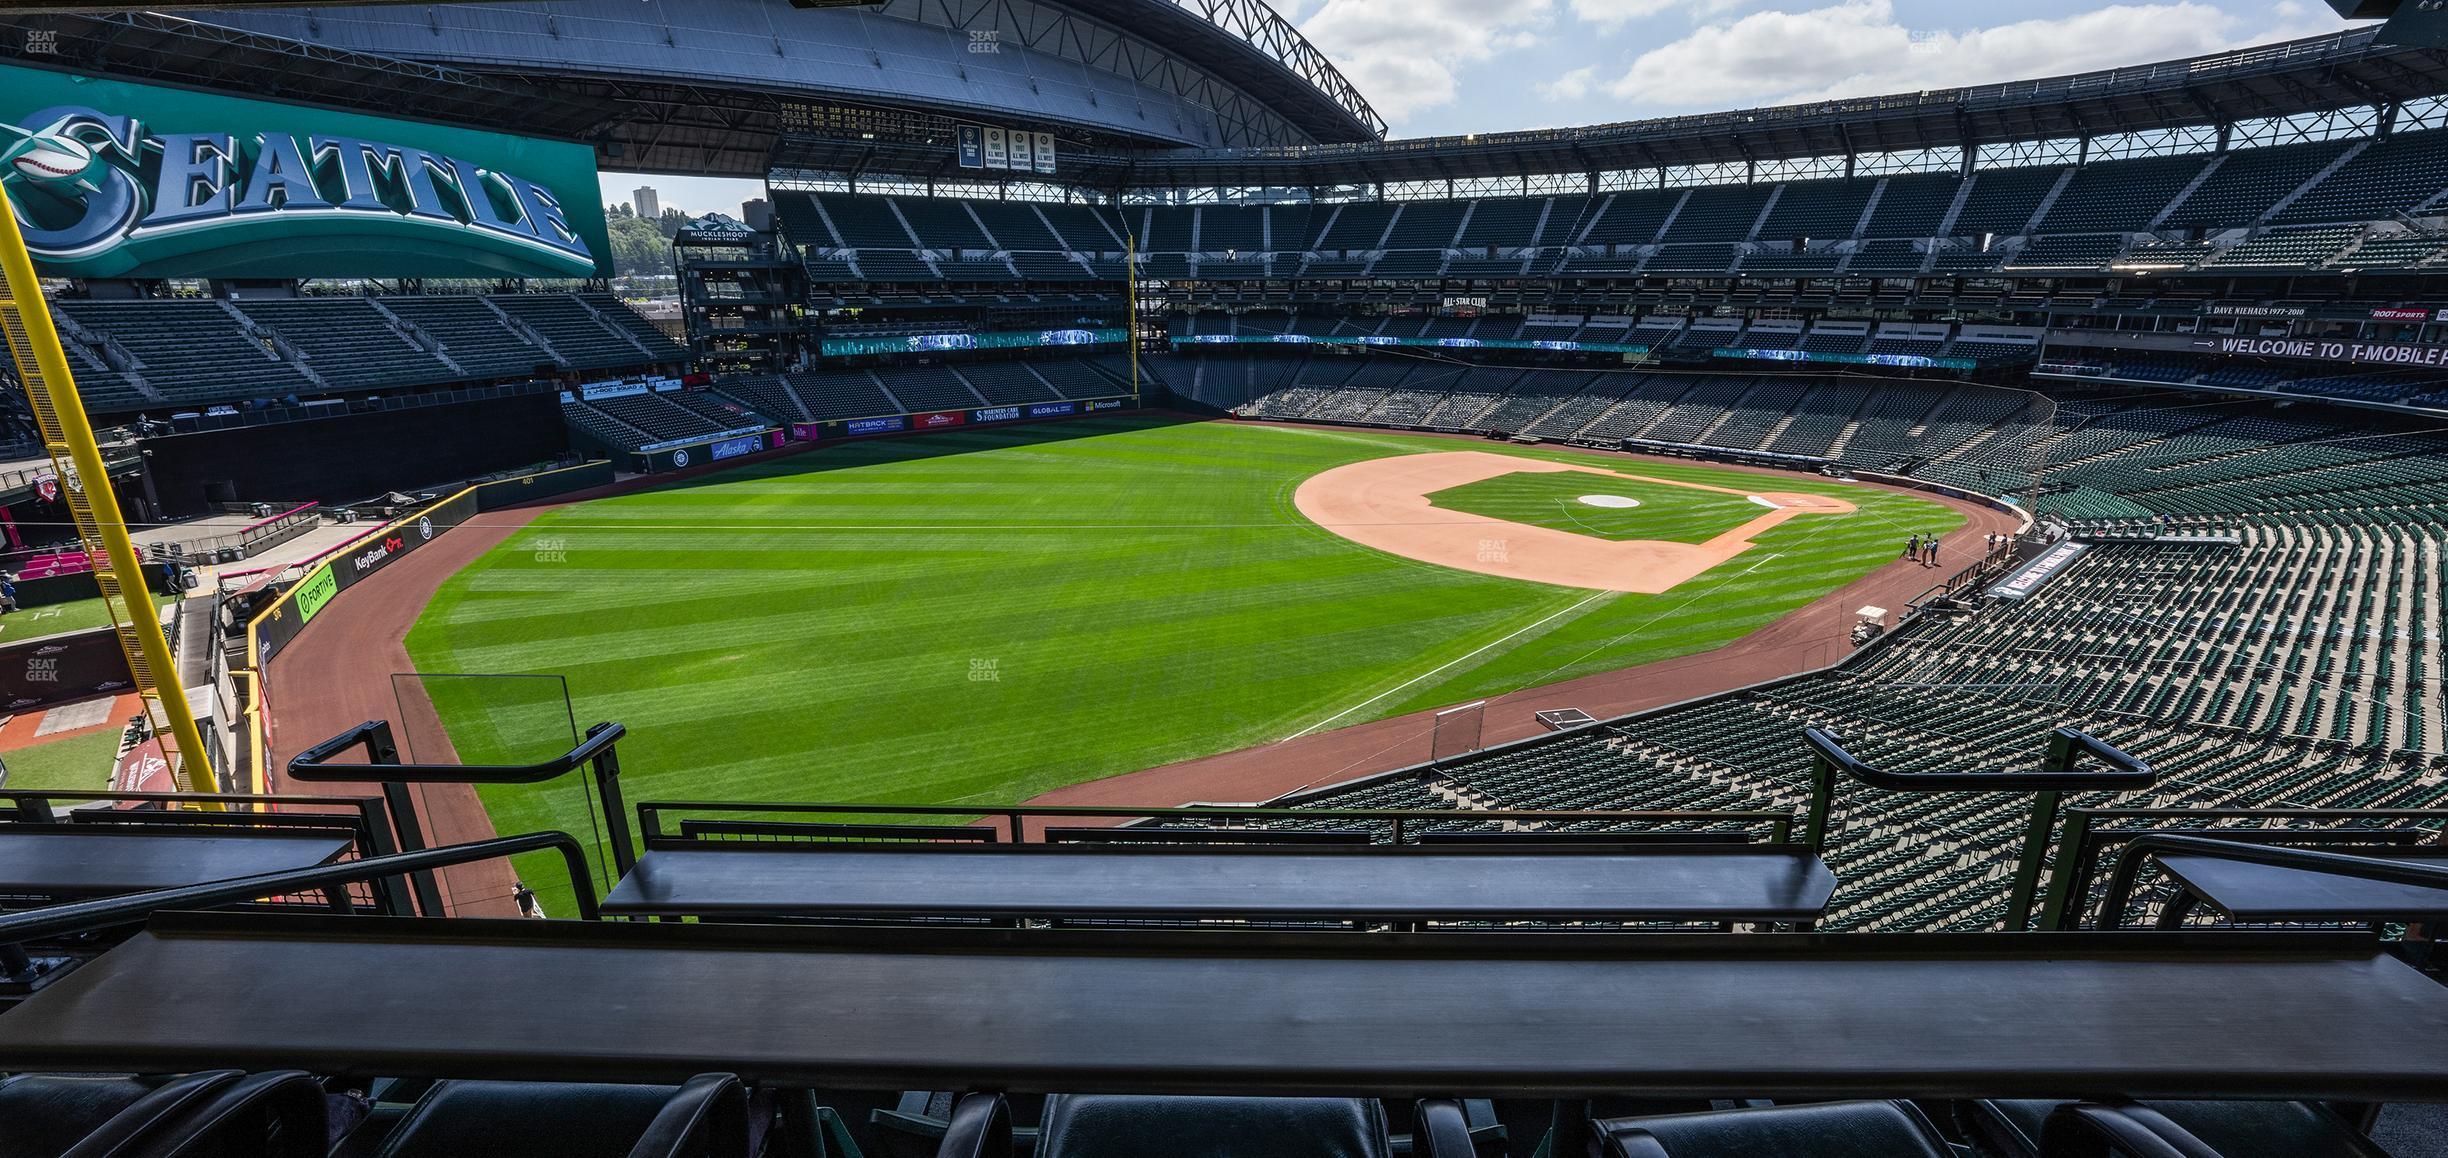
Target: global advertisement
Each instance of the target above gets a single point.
(1052, 409)
(114, 179)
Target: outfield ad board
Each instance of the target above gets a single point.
(1189, 341)
(1904, 361)
(995, 340)
(314, 591)
(361, 559)
(950, 419)
(700, 451)
(53, 669)
(115, 179)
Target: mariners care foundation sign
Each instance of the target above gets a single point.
(115, 179)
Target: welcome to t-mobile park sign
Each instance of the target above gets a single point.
(2349, 352)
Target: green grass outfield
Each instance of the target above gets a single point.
(54, 619)
(76, 764)
(981, 616)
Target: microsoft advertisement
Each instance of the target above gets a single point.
(117, 179)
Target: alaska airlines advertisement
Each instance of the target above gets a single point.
(117, 179)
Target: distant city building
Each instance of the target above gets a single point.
(757, 213)
(646, 202)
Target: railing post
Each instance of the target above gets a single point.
(2027, 870)
(381, 842)
(381, 748)
(1823, 795)
(2073, 865)
(606, 767)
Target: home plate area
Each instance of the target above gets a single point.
(1564, 528)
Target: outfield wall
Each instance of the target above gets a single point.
(348, 454)
(342, 569)
(956, 419)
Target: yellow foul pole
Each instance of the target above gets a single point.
(25, 321)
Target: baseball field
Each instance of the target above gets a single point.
(977, 617)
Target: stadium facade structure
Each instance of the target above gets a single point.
(2256, 615)
(2174, 224)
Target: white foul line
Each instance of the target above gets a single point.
(1506, 638)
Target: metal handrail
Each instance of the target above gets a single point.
(597, 752)
(2083, 840)
(1780, 823)
(314, 764)
(2056, 775)
(2129, 866)
(111, 912)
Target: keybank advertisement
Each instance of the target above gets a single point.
(114, 179)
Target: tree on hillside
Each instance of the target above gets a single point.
(639, 247)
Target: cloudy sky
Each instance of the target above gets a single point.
(1435, 67)
(1455, 66)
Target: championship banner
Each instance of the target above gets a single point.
(117, 179)
(998, 156)
(1023, 150)
(1045, 152)
(972, 146)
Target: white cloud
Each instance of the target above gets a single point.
(1404, 53)
(1570, 86)
(1857, 48)
(1612, 14)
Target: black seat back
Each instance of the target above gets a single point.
(1827, 1130)
(280, 1114)
(1112, 1126)
(47, 1116)
(574, 1120)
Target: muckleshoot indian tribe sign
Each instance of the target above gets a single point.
(116, 179)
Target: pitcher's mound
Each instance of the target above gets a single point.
(1611, 502)
(1383, 503)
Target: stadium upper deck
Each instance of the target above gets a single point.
(709, 86)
